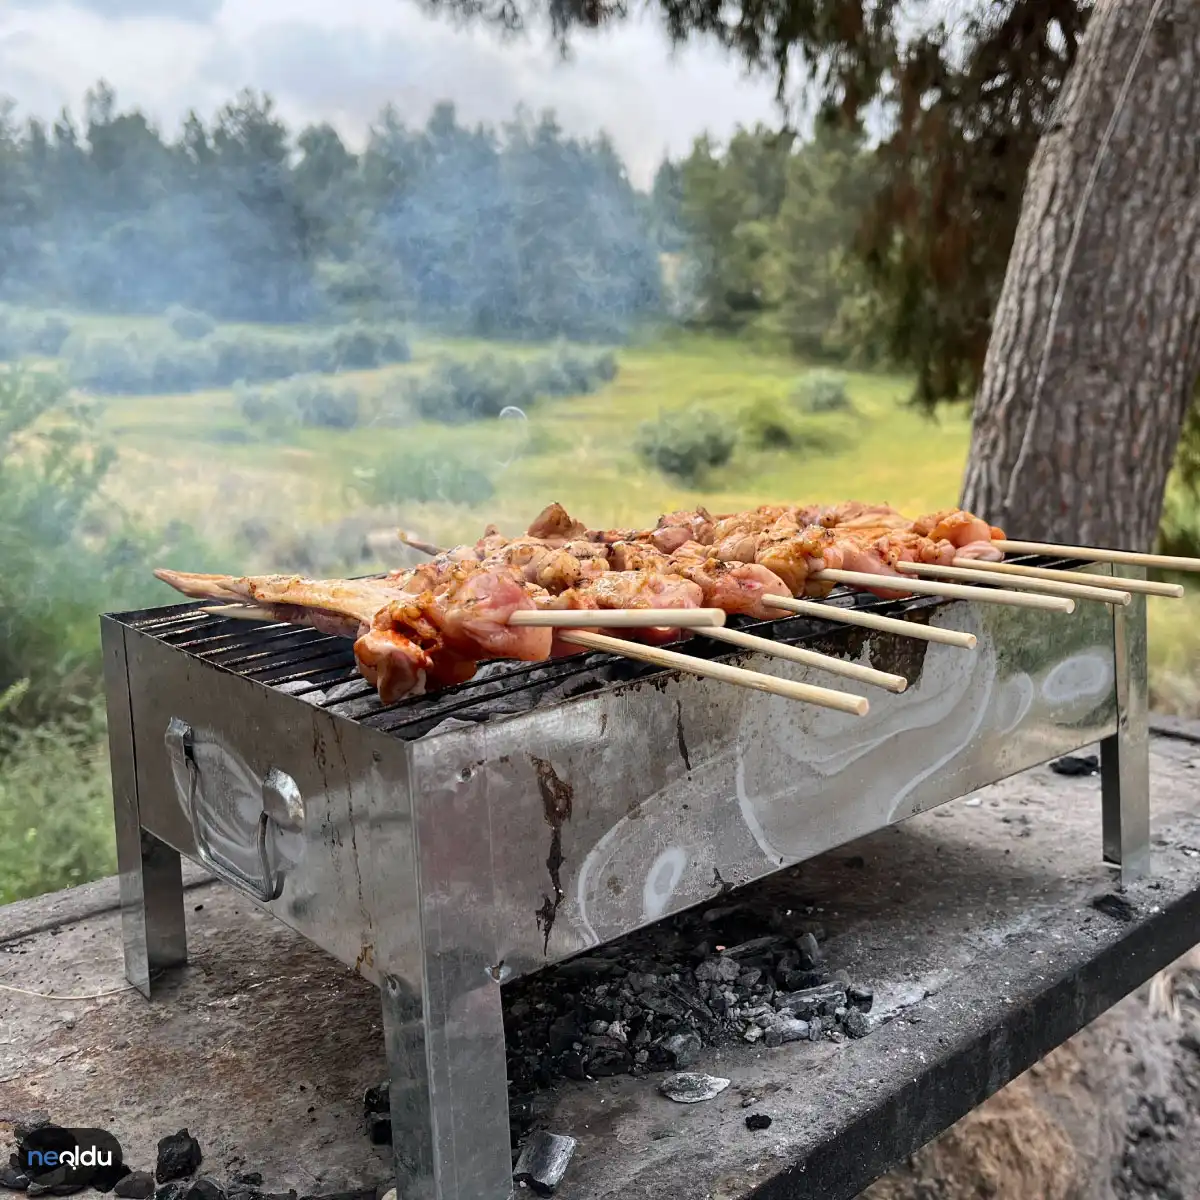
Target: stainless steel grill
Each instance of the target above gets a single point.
(445, 844)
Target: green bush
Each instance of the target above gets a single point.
(311, 401)
(767, 425)
(56, 816)
(460, 390)
(412, 477)
(141, 363)
(687, 444)
(821, 392)
(188, 324)
(23, 333)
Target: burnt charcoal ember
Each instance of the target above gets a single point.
(810, 952)
(171, 1191)
(1117, 907)
(856, 1023)
(137, 1185)
(861, 997)
(379, 1129)
(543, 1162)
(1076, 764)
(205, 1188)
(14, 1180)
(606, 1056)
(684, 1048)
(783, 1028)
(28, 1123)
(718, 970)
(688, 1088)
(254, 1178)
(179, 1155)
(758, 1121)
(376, 1099)
(809, 1002)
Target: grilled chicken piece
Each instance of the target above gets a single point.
(405, 640)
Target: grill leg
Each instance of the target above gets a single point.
(151, 874)
(448, 1086)
(1125, 757)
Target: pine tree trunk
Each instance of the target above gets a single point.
(1077, 418)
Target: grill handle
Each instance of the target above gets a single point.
(282, 804)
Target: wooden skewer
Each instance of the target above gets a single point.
(869, 620)
(1050, 587)
(810, 658)
(239, 612)
(623, 618)
(956, 591)
(1130, 558)
(1144, 587)
(756, 680)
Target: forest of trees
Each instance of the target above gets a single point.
(513, 232)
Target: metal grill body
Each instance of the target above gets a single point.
(440, 853)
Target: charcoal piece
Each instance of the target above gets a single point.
(28, 1123)
(787, 1029)
(664, 1005)
(748, 979)
(757, 1121)
(773, 1038)
(107, 1178)
(861, 997)
(1076, 764)
(376, 1099)
(683, 1048)
(856, 1023)
(718, 970)
(588, 969)
(606, 1056)
(137, 1185)
(205, 1188)
(171, 1191)
(810, 952)
(753, 1033)
(14, 1180)
(808, 1002)
(379, 1129)
(1117, 907)
(544, 1161)
(563, 1034)
(799, 981)
(642, 982)
(618, 1031)
(254, 1178)
(689, 1088)
(757, 946)
(179, 1155)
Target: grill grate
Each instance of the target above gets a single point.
(320, 668)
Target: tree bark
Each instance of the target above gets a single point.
(1095, 345)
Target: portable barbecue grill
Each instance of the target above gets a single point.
(445, 844)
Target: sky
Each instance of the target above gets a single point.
(342, 60)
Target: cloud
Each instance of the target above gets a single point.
(201, 11)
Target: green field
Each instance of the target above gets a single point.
(192, 458)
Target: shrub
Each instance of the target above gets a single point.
(148, 363)
(687, 444)
(821, 392)
(414, 477)
(188, 324)
(306, 400)
(23, 333)
(459, 390)
(766, 425)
